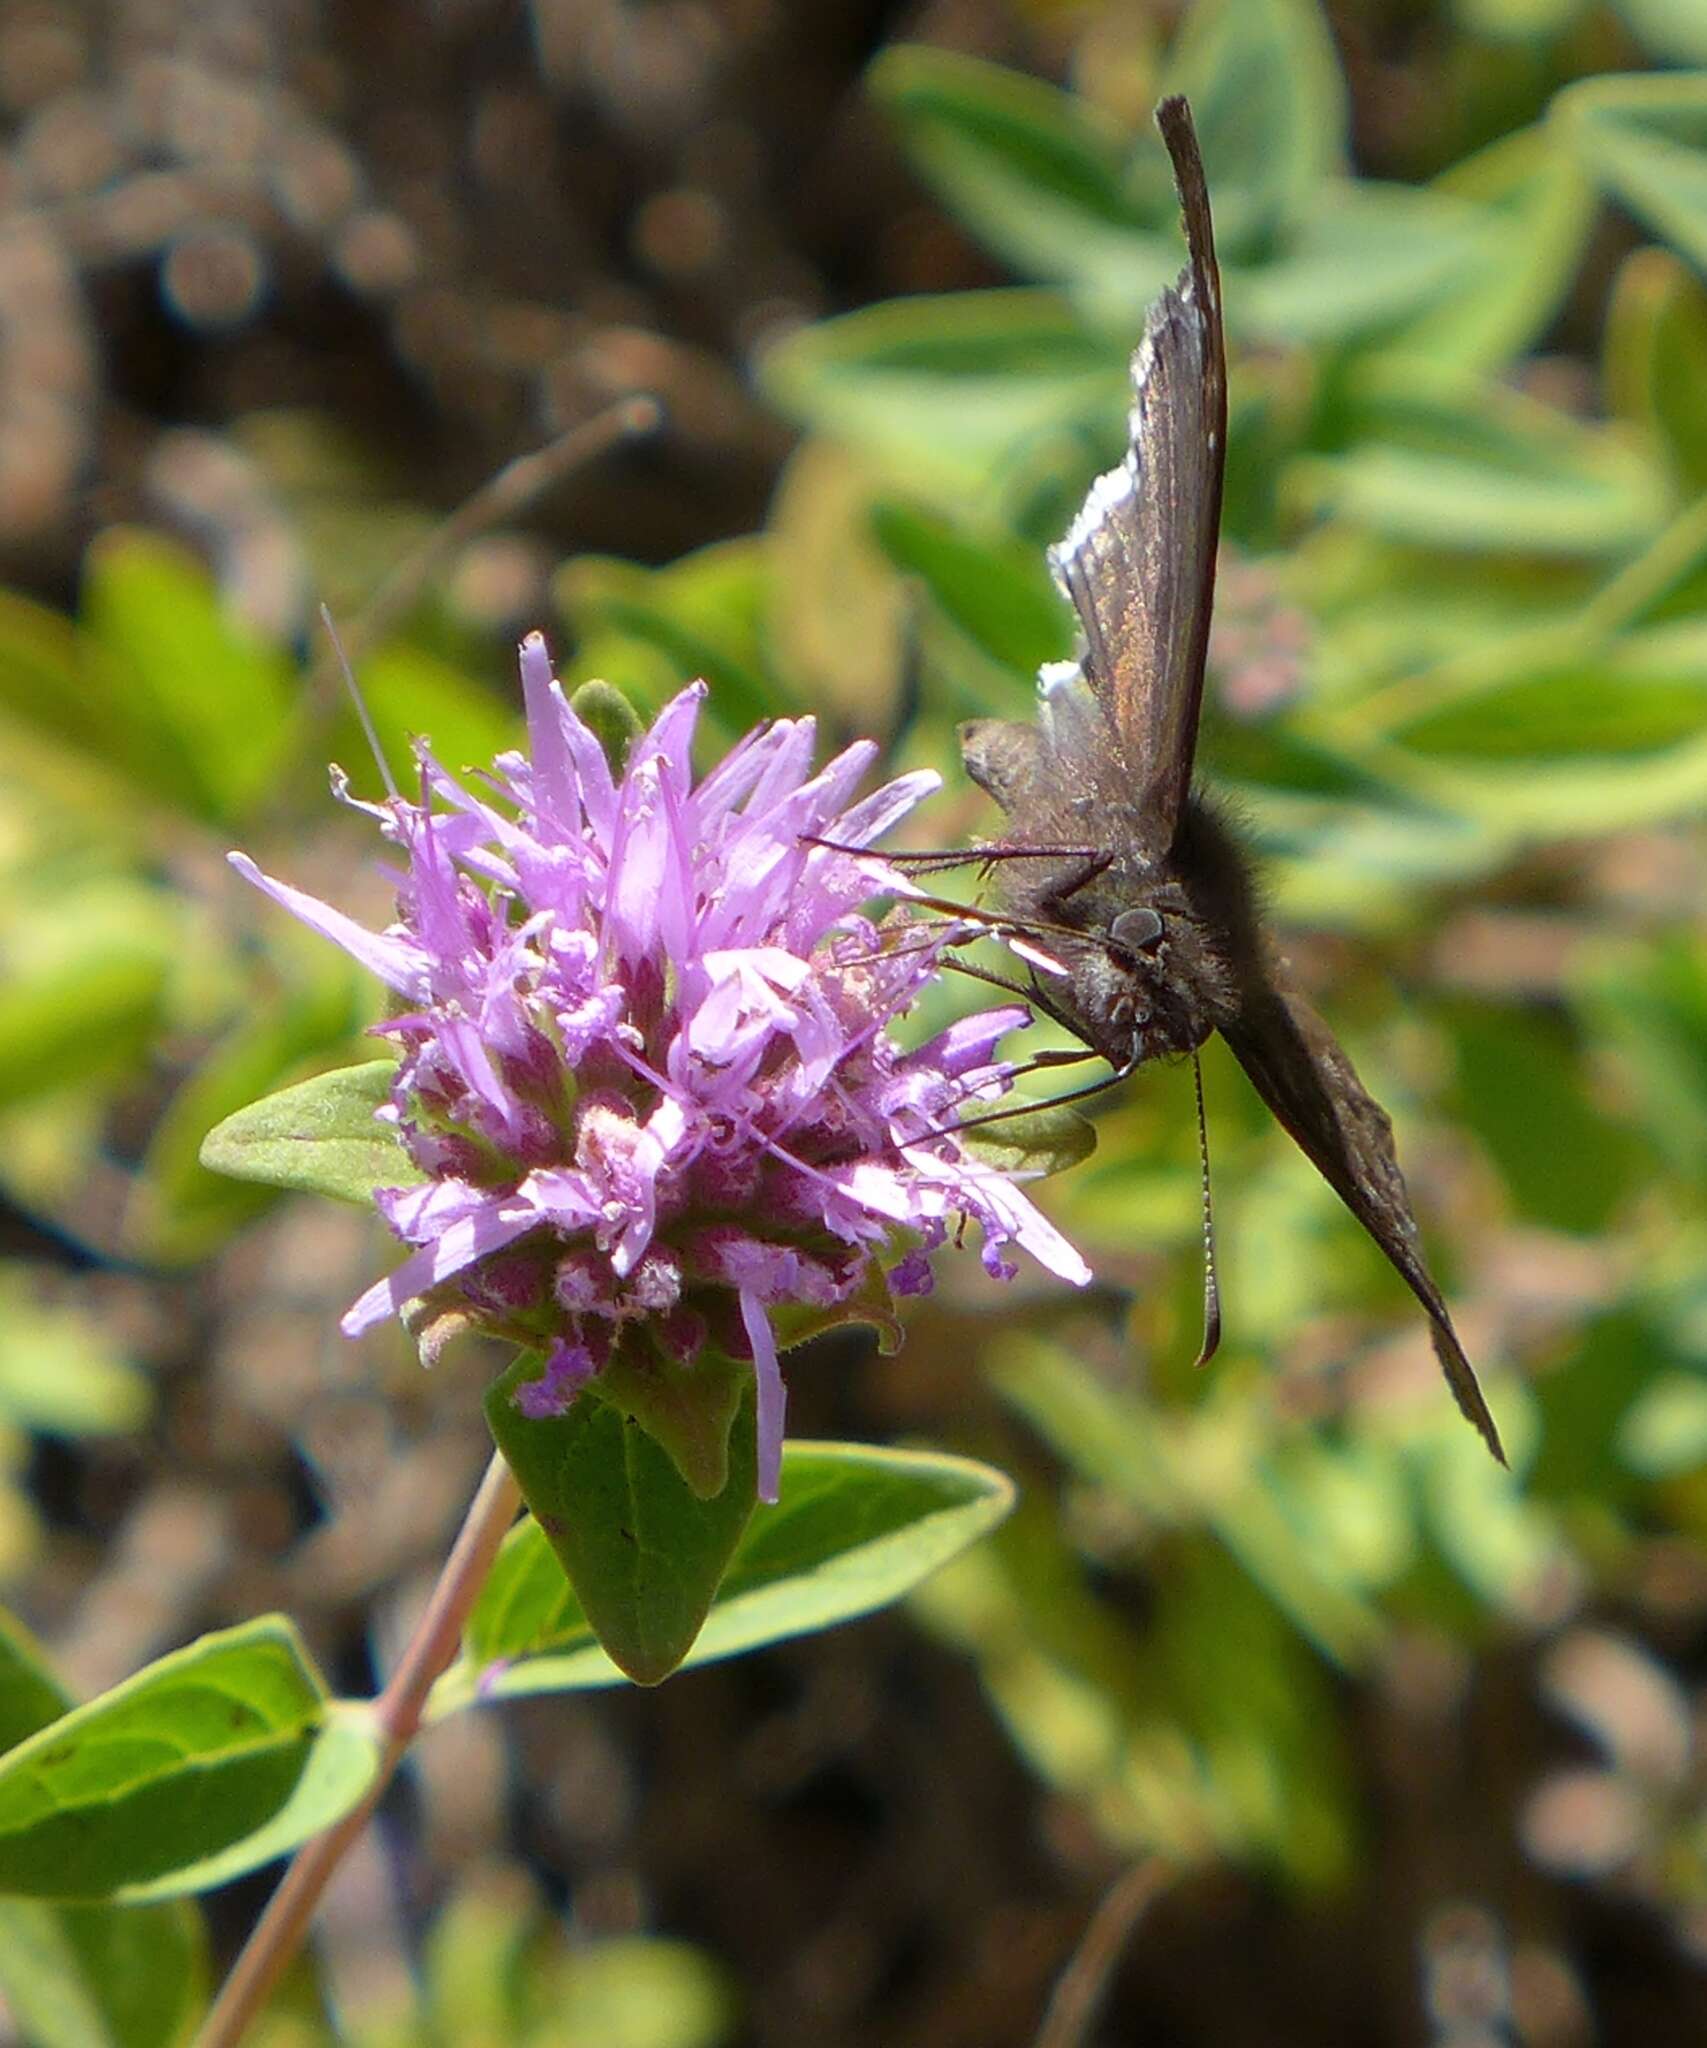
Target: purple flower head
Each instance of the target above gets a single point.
(645, 1053)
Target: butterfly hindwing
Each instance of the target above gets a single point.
(1303, 1073)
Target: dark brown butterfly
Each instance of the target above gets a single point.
(1144, 904)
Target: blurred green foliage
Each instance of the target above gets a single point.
(1460, 696)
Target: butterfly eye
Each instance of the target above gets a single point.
(1137, 931)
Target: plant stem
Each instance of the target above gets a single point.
(396, 1715)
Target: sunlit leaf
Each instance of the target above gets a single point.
(181, 1208)
(173, 1766)
(1644, 138)
(1366, 257)
(59, 1368)
(1270, 108)
(319, 1137)
(1035, 1143)
(85, 988)
(855, 1528)
(411, 694)
(1447, 463)
(1536, 208)
(944, 392)
(216, 693)
(1669, 28)
(700, 617)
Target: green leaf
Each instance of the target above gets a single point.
(1620, 705)
(411, 694)
(342, 1763)
(59, 1368)
(85, 996)
(1669, 28)
(947, 392)
(88, 1976)
(1644, 139)
(1537, 208)
(1656, 342)
(1270, 109)
(1664, 1430)
(1367, 257)
(643, 1551)
(635, 1991)
(700, 616)
(839, 621)
(1447, 462)
(1647, 1003)
(1035, 1143)
(1527, 1098)
(854, 1529)
(175, 1765)
(1032, 171)
(319, 1137)
(214, 694)
(996, 591)
(102, 1976)
(30, 1695)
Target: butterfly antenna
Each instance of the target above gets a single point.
(1002, 1116)
(360, 702)
(1211, 1280)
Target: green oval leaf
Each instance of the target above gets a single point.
(1034, 1143)
(1644, 138)
(212, 697)
(1656, 342)
(946, 391)
(95, 1976)
(178, 1763)
(643, 1549)
(319, 1137)
(342, 1763)
(1369, 256)
(1446, 461)
(855, 1528)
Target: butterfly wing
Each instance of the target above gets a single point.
(1302, 1072)
(1138, 564)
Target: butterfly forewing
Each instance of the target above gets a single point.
(1138, 565)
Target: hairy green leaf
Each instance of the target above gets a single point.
(319, 1137)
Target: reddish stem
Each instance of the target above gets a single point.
(397, 1716)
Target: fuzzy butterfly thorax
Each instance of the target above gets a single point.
(1126, 892)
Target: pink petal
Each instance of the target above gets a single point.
(773, 1395)
(400, 965)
